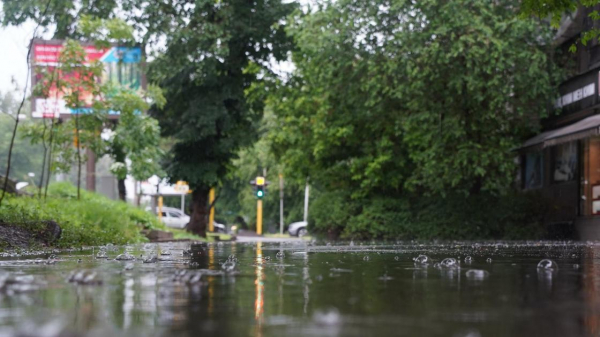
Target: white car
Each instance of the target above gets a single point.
(173, 217)
(298, 228)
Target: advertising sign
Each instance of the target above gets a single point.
(121, 67)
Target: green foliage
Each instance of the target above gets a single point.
(63, 15)
(202, 70)
(485, 216)
(557, 9)
(135, 137)
(92, 220)
(396, 105)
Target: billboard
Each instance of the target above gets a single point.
(122, 66)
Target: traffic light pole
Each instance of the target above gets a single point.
(211, 214)
(259, 217)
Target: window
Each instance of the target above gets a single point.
(589, 188)
(534, 173)
(564, 161)
(173, 215)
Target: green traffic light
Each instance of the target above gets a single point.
(260, 194)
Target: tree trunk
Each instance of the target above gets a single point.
(78, 143)
(122, 189)
(199, 216)
(49, 166)
(41, 184)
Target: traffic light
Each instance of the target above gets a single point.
(259, 186)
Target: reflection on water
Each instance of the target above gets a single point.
(306, 289)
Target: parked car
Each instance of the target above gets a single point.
(298, 228)
(173, 217)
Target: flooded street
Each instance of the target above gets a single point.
(304, 289)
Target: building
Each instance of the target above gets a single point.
(563, 162)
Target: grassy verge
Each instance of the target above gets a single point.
(92, 220)
(179, 234)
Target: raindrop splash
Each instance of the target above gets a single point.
(449, 262)
(547, 264)
(421, 259)
(125, 257)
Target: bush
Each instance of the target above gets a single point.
(93, 220)
(485, 216)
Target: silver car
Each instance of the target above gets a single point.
(298, 228)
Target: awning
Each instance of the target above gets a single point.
(584, 128)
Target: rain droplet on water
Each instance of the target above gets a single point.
(488, 260)
(576, 266)
(421, 259)
(547, 264)
(397, 258)
(468, 259)
(228, 266)
(366, 258)
(125, 257)
(101, 255)
(280, 255)
(477, 274)
(150, 259)
(449, 262)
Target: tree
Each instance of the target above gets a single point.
(63, 15)
(393, 101)
(557, 9)
(213, 55)
(213, 52)
(135, 136)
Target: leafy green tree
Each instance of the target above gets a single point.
(410, 99)
(62, 15)
(213, 52)
(216, 52)
(135, 136)
(557, 9)
(237, 197)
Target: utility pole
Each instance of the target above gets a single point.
(280, 203)
(259, 217)
(306, 190)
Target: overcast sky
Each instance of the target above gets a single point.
(14, 42)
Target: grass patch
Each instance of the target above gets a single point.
(179, 234)
(92, 220)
